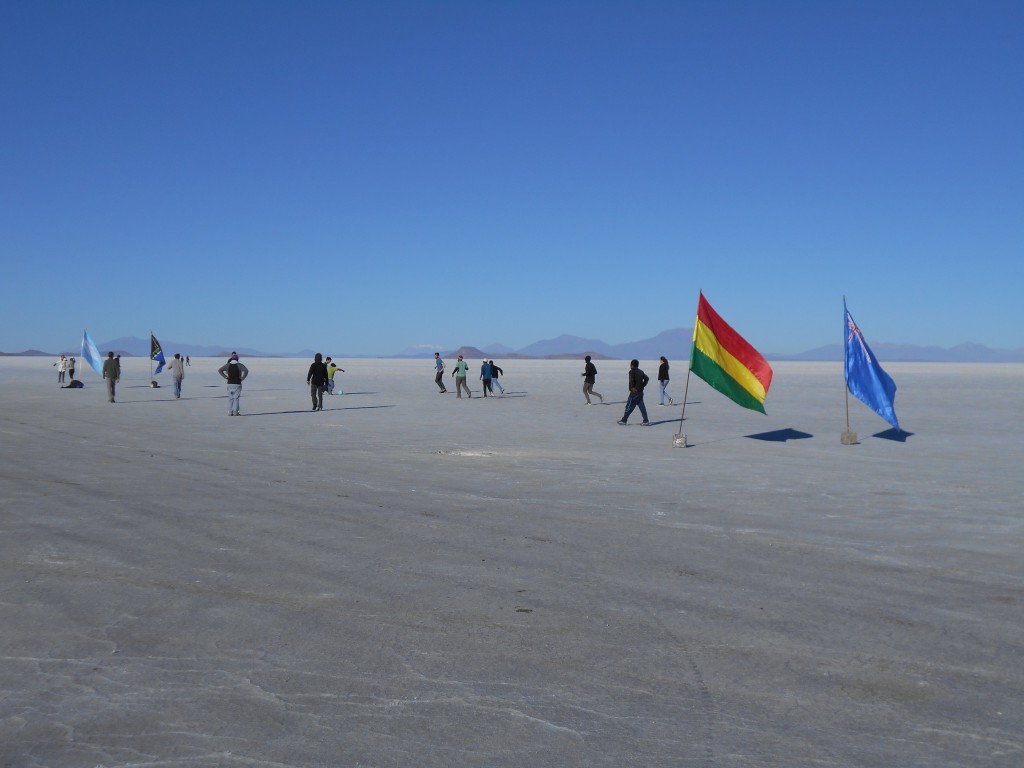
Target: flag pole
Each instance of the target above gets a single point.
(151, 358)
(680, 439)
(848, 437)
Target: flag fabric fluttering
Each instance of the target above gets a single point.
(864, 376)
(90, 354)
(156, 353)
(726, 361)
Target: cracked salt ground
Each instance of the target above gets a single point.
(438, 582)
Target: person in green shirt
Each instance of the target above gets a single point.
(459, 372)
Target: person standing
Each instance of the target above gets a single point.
(188, 361)
(110, 375)
(62, 367)
(637, 381)
(177, 369)
(71, 368)
(459, 372)
(234, 373)
(485, 377)
(495, 373)
(331, 370)
(589, 377)
(663, 381)
(317, 380)
(439, 373)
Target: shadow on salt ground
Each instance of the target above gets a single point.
(170, 398)
(325, 410)
(781, 435)
(894, 435)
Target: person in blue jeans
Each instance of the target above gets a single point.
(495, 373)
(637, 381)
(663, 381)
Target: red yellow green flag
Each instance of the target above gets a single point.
(726, 361)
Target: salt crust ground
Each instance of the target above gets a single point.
(407, 579)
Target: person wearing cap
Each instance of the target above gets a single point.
(589, 376)
(459, 372)
(234, 372)
(485, 376)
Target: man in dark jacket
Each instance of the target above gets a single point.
(234, 372)
(317, 380)
(637, 381)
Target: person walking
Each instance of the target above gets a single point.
(663, 381)
(485, 377)
(439, 373)
(234, 373)
(459, 372)
(188, 361)
(331, 370)
(495, 373)
(62, 367)
(637, 381)
(177, 369)
(110, 375)
(317, 380)
(589, 377)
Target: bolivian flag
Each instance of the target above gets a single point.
(727, 362)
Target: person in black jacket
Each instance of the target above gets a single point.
(589, 376)
(637, 381)
(663, 381)
(317, 380)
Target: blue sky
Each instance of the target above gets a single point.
(367, 177)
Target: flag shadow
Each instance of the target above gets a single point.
(781, 435)
(326, 410)
(895, 435)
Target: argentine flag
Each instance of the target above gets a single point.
(91, 355)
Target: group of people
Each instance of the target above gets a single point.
(320, 379)
(638, 381)
(490, 375)
(66, 366)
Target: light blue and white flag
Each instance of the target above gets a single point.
(864, 376)
(91, 355)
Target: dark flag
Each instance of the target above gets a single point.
(155, 353)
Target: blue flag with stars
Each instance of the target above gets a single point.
(864, 376)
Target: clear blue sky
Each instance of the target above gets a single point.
(363, 177)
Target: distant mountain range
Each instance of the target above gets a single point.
(674, 344)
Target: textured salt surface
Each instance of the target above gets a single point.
(410, 579)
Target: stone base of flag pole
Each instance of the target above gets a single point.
(848, 438)
(679, 441)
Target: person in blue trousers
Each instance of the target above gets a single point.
(637, 381)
